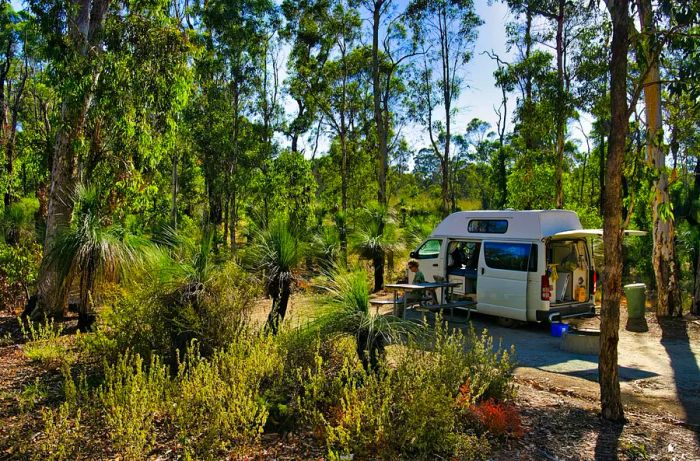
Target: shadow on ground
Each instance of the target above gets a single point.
(676, 341)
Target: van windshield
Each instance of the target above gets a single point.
(430, 249)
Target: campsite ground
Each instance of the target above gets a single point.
(557, 394)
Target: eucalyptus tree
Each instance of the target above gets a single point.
(611, 403)
(390, 51)
(682, 115)
(310, 49)
(339, 94)
(476, 166)
(75, 29)
(444, 32)
(568, 24)
(93, 48)
(591, 62)
(268, 114)
(235, 35)
(663, 26)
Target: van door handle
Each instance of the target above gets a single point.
(435, 265)
(482, 271)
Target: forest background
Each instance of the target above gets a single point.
(341, 126)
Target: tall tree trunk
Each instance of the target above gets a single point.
(695, 308)
(84, 29)
(227, 206)
(601, 173)
(447, 91)
(382, 148)
(611, 403)
(343, 233)
(529, 143)
(234, 220)
(561, 108)
(11, 119)
(668, 300)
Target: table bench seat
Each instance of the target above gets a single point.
(390, 302)
(463, 306)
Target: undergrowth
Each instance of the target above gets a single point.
(44, 342)
(446, 396)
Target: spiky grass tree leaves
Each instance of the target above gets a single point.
(277, 252)
(347, 312)
(92, 252)
(375, 239)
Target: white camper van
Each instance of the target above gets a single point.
(517, 265)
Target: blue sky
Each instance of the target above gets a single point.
(481, 95)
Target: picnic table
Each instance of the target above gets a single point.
(421, 289)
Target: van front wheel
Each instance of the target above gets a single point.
(508, 323)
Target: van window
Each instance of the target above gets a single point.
(488, 226)
(430, 249)
(511, 256)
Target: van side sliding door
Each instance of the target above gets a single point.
(502, 278)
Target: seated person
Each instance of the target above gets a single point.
(418, 276)
(412, 297)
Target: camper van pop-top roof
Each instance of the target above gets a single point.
(508, 224)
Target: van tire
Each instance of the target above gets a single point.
(508, 322)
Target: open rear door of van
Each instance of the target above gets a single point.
(581, 233)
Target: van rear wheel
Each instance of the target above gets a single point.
(508, 322)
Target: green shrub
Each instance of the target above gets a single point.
(44, 343)
(19, 266)
(37, 331)
(322, 384)
(165, 313)
(220, 404)
(132, 397)
(470, 447)
(61, 437)
(31, 395)
(420, 406)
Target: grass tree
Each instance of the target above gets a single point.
(375, 240)
(277, 252)
(91, 252)
(325, 247)
(347, 312)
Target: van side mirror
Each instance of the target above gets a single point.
(413, 254)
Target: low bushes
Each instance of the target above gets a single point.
(219, 401)
(44, 343)
(424, 405)
(442, 393)
(169, 308)
(132, 397)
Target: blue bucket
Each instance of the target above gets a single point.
(557, 329)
